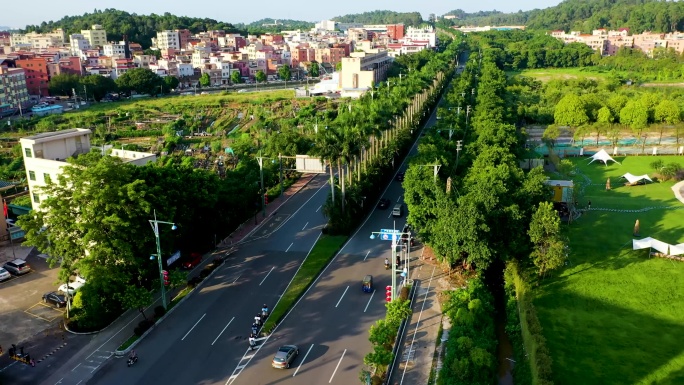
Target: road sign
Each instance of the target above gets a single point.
(390, 231)
(389, 237)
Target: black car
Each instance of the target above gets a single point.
(54, 298)
(400, 176)
(384, 203)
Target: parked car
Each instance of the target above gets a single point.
(4, 274)
(400, 176)
(72, 287)
(384, 203)
(192, 260)
(17, 267)
(285, 356)
(55, 298)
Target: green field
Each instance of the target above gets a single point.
(546, 74)
(613, 315)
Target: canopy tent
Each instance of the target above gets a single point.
(603, 156)
(646, 243)
(635, 178)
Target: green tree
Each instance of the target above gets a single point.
(170, 83)
(314, 70)
(205, 80)
(604, 119)
(284, 72)
(635, 115)
(98, 86)
(63, 84)
(235, 77)
(545, 234)
(136, 297)
(140, 80)
(667, 112)
(570, 111)
(398, 310)
(260, 76)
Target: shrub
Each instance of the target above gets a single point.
(159, 311)
(404, 294)
(142, 327)
(194, 281)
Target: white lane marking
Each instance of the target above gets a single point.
(75, 367)
(224, 329)
(319, 207)
(338, 365)
(345, 292)
(307, 223)
(299, 209)
(369, 301)
(288, 248)
(366, 255)
(399, 199)
(238, 277)
(193, 326)
(303, 359)
(262, 281)
(60, 381)
(389, 216)
(417, 324)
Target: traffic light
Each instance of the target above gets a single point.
(388, 293)
(165, 277)
(265, 199)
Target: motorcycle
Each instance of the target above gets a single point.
(132, 360)
(387, 265)
(264, 313)
(252, 345)
(255, 329)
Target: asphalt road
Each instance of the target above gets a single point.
(207, 335)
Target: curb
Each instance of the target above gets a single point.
(400, 337)
(66, 327)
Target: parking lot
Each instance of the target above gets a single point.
(22, 312)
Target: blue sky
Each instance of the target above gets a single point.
(18, 14)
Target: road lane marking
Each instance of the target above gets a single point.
(307, 223)
(345, 292)
(303, 359)
(369, 301)
(399, 199)
(288, 248)
(75, 367)
(338, 365)
(224, 329)
(238, 277)
(193, 326)
(417, 324)
(262, 281)
(366, 255)
(319, 207)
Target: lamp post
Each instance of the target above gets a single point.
(260, 159)
(155, 228)
(395, 236)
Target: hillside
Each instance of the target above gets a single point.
(382, 17)
(138, 28)
(585, 15)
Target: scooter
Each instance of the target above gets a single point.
(132, 360)
(252, 345)
(264, 313)
(387, 265)
(255, 328)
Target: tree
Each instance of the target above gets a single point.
(604, 118)
(170, 83)
(98, 86)
(205, 80)
(667, 112)
(398, 310)
(136, 297)
(635, 115)
(314, 70)
(235, 77)
(545, 234)
(63, 84)
(140, 80)
(284, 72)
(260, 76)
(570, 111)
(550, 135)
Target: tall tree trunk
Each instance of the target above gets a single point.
(332, 182)
(340, 171)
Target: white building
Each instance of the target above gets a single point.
(185, 69)
(115, 50)
(78, 44)
(325, 25)
(168, 40)
(45, 155)
(96, 35)
(422, 34)
(55, 38)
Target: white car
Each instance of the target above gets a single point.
(4, 274)
(72, 287)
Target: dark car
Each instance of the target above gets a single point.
(284, 357)
(17, 267)
(384, 203)
(191, 261)
(400, 176)
(54, 298)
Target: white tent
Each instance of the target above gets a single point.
(661, 246)
(635, 178)
(603, 156)
(677, 249)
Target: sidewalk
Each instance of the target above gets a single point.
(101, 346)
(417, 351)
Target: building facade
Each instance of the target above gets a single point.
(37, 76)
(96, 35)
(13, 90)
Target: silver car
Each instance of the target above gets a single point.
(4, 274)
(284, 357)
(17, 267)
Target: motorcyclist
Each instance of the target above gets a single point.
(387, 264)
(133, 355)
(255, 328)
(264, 310)
(252, 341)
(257, 319)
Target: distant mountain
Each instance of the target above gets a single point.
(274, 25)
(382, 17)
(4, 28)
(586, 15)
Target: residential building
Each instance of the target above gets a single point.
(96, 35)
(37, 76)
(13, 90)
(34, 40)
(78, 44)
(45, 156)
(395, 31)
(330, 55)
(422, 34)
(168, 39)
(116, 50)
(362, 71)
(66, 65)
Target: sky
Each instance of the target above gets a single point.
(16, 14)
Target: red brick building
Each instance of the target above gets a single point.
(37, 75)
(395, 31)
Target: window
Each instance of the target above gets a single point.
(36, 198)
(32, 175)
(28, 153)
(46, 178)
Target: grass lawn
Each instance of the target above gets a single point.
(546, 74)
(613, 315)
(323, 251)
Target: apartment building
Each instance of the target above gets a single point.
(361, 71)
(37, 76)
(66, 65)
(78, 44)
(36, 40)
(330, 55)
(422, 34)
(167, 39)
(13, 90)
(96, 35)
(118, 50)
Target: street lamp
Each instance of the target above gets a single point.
(260, 159)
(395, 236)
(155, 228)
